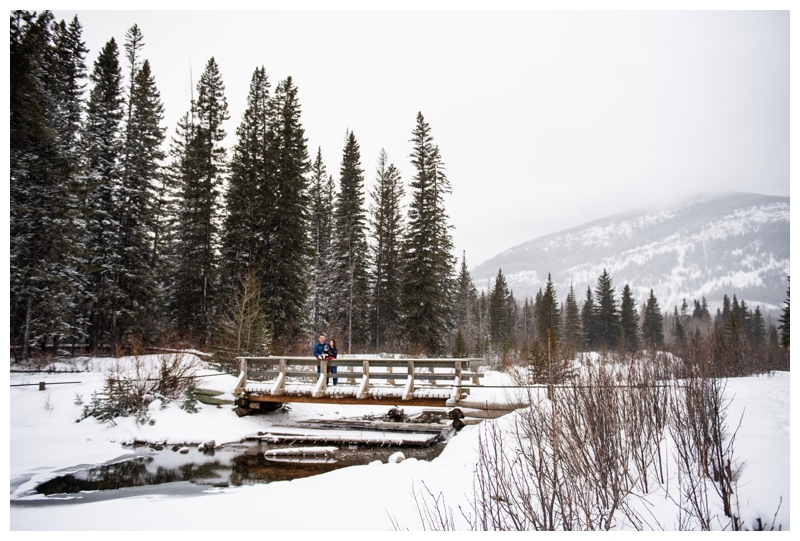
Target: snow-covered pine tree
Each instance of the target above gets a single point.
(46, 99)
(653, 323)
(386, 273)
(429, 264)
(500, 316)
(201, 166)
(466, 306)
(141, 177)
(322, 200)
(758, 328)
(629, 321)
(548, 318)
(589, 321)
(573, 335)
(287, 261)
(250, 197)
(349, 284)
(607, 312)
(103, 151)
(784, 321)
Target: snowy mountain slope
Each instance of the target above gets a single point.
(709, 245)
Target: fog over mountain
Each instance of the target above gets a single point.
(708, 245)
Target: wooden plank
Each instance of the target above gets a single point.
(370, 401)
(378, 425)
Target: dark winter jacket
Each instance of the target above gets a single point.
(318, 349)
(333, 353)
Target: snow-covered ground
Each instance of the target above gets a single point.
(45, 440)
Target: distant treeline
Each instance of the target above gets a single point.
(541, 330)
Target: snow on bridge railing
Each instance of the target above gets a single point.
(279, 368)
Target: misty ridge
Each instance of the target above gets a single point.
(708, 245)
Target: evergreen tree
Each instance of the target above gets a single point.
(202, 166)
(136, 211)
(46, 227)
(784, 321)
(349, 251)
(466, 302)
(500, 317)
(629, 321)
(288, 258)
(589, 321)
(548, 317)
(386, 277)
(758, 329)
(678, 330)
(572, 321)
(653, 323)
(103, 151)
(322, 194)
(428, 285)
(607, 312)
(250, 194)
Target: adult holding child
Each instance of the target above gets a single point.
(332, 354)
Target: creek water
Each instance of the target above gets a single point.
(167, 471)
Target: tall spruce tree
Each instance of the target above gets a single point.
(784, 321)
(428, 286)
(350, 285)
(589, 321)
(386, 222)
(548, 317)
(572, 321)
(653, 323)
(46, 224)
(202, 167)
(629, 321)
(136, 212)
(607, 312)
(322, 194)
(288, 259)
(250, 195)
(500, 316)
(758, 328)
(466, 306)
(103, 152)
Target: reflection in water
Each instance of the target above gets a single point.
(130, 473)
(230, 466)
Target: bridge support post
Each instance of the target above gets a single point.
(456, 395)
(364, 386)
(322, 382)
(240, 384)
(408, 392)
(278, 388)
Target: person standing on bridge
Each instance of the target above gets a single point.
(332, 354)
(319, 349)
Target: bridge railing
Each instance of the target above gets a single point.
(361, 372)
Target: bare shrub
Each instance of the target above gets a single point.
(703, 444)
(132, 383)
(587, 452)
(242, 329)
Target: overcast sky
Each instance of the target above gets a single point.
(545, 120)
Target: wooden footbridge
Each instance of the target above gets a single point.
(265, 382)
